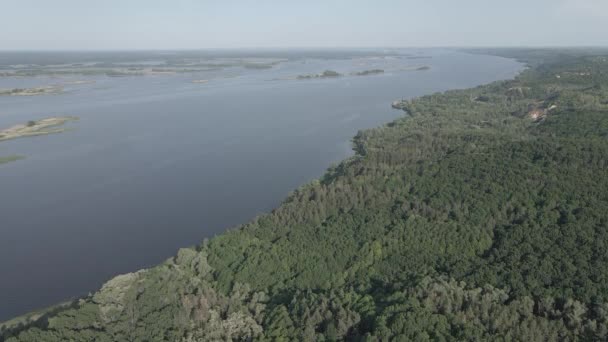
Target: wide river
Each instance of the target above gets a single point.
(158, 162)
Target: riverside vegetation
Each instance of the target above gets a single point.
(481, 215)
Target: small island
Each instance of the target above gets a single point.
(79, 82)
(324, 74)
(258, 66)
(126, 73)
(48, 90)
(8, 159)
(368, 72)
(419, 57)
(415, 68)
(35, 128)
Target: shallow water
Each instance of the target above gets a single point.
(156, 163)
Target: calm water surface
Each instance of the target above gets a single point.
(156, 163)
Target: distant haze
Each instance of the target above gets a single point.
(198, 24)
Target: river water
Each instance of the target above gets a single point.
(157, 162)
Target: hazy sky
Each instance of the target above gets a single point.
(195, 24)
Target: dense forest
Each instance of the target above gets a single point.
(481, 214)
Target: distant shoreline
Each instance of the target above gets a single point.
(48, 90)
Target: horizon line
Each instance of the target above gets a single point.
(275, 48)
